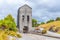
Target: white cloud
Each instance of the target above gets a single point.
(15, 1)
(45, 18)
(10, 1)
(1, 2)
(40, 8)
(47, 3)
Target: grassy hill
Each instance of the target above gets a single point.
(54, 24)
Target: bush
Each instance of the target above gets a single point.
(3, 36)
(58, 19)
(42, 23)
(12, 33)
(50, 21)
(18, 35)
(44, 31)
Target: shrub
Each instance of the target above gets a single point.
(58, 19)
(42, 23)
(44, 31)
(12, 33)
(18, 35)
(50, 21)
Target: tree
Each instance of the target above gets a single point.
(34, 22)
(8, 23)
(38, 24)
(58, 19)
(42, 23)
(1, 22)
(50, 21)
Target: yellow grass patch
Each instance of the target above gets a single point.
(48, 25)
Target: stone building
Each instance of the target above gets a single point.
(24, 21)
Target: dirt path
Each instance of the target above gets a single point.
(36, 37)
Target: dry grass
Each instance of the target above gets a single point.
(4, 34)
(48, 25)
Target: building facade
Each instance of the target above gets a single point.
(24, 21)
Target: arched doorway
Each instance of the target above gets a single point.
(25, 29)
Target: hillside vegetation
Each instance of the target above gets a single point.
(48, 25)
(8, 28)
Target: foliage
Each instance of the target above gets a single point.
(12, 33)
(18, 35)
(50, 21)
(8, 23)
(42, 23)
(58, 19)
(4, 34)
(38, 24)
(8, 28)
(34, 22)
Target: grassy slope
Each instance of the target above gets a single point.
(48, 25)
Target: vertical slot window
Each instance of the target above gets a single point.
(23, 17)
(28, 18)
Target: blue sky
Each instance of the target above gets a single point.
(42, 10)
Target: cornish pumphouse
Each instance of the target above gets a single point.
(24, 20)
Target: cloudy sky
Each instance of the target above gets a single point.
(42, 10)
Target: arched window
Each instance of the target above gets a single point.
(28, 18)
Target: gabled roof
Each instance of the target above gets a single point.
(25, 5)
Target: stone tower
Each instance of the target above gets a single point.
(24, 19)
